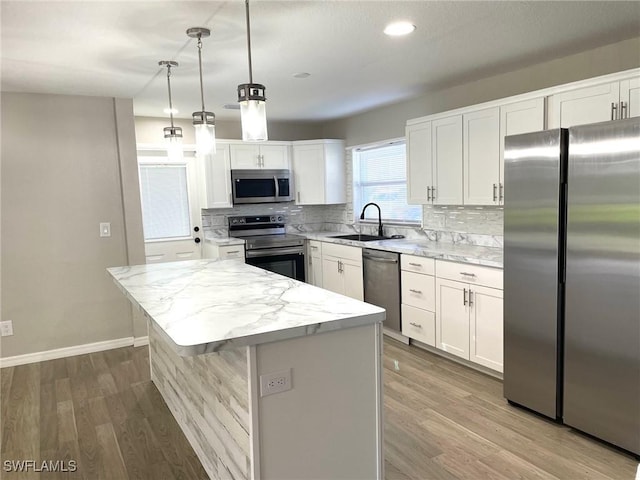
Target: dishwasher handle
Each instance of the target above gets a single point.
(384, 258)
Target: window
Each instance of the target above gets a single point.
(379, 175)
(165, 201)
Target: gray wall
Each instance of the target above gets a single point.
(389, 122)
(149, 130)
(68, 163)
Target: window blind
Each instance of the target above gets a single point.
(379, 176)
(165, 201)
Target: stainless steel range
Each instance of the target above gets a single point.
(268, 246)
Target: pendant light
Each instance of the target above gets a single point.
(172, 134)
(252, 101)
(204, 122)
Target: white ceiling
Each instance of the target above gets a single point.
(113, 48)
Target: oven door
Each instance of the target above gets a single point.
(285, 261)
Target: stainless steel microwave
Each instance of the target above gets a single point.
(261, 186)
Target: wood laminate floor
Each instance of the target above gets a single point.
(442, 421)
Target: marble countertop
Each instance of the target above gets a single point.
(202, 306)
(222, 240)
(472, 254)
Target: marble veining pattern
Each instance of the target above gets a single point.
(205, 306)
(473, 254)
(209, 398)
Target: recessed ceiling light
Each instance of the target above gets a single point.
(171, 110)
(397, 29)
(301, 75)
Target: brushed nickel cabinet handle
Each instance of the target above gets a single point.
(415, 291)
(614, 110)
(415, 264)
(428, 194)
(623, 110)
(468, 274)
(470, 297)
(464, 296)
(433, 194)
(233, 251)
(495, 192)
(501, 190)
(417, 325)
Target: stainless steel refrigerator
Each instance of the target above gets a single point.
(572, 277)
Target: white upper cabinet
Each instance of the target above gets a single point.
(481, 143)
(630, 98)
(584, 105)
(434, 161)
(446, 144)
(273, 156)
(217, 177)
(419, 164)
(599, 103)
(319, 172)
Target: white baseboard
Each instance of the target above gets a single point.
(70, 351)
(140, 341)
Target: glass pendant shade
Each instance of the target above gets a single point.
(173, 139)
(205, 139)
(253, 112)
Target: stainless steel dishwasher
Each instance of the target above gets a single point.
(382, 283)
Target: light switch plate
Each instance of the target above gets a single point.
(6, 328)
(105, 229)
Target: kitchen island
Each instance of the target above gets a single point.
(224, 334)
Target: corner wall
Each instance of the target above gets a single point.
(67, 164)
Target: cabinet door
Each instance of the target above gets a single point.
(419, 290)
(584, 105)
(353, 281)
(630, 95)
(308, 169)
(446, 147)
(231, 251)
(481, 143)
(452, 317)
(274, 156)
(315, 273)
(516, 118)
(218, 179)
(419, 164)
(244, 156)
(486, 327)
(331, 276)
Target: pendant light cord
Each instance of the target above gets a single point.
(200, 65)
(169, 87)
(249, 42)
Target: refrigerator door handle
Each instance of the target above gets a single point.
(614, 110)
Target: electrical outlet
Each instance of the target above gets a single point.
(275, 382)
(105, 229)
(6, 328)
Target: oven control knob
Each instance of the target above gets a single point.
(242, 220)
(279, 218)
(272, 219)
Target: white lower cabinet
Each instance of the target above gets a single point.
(212, 250)
(342, 270)
(469, 318)
(418, 298)
(314, 264)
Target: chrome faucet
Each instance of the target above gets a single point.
(379, 217)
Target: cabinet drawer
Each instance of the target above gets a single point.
(231, 251)
(471, 274)
(345, 252)
(315, 248)
(419, 290)
(412, 263)
(419, 324)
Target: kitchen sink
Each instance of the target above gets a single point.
(360, 237)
